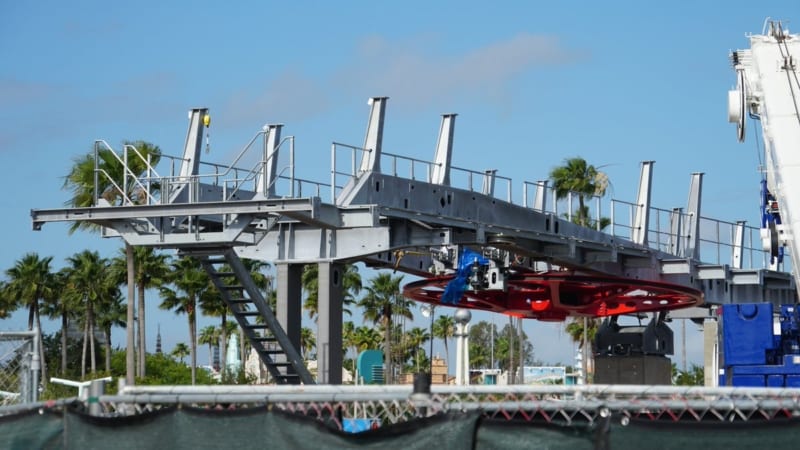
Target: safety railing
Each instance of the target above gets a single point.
(666, 231)
(151, 188)
(345, 160)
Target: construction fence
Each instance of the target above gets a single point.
(19, 367)
(341, 417)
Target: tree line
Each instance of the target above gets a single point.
(86, 294)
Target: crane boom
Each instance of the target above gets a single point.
(768, 91)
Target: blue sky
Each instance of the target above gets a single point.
(533, 83)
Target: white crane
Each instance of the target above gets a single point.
(768, 91)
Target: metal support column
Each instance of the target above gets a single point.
(329, 323)
(190, 163)
(540, 200)
(692, 229)
(738, 244)
(444, 151)
(265, 182)
(289, 306)
(371, 159)
(641, 220)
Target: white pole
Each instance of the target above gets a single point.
(459, 354)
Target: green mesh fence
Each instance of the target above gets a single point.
(196, 428)
(314, 417)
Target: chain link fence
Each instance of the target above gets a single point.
(19, 367)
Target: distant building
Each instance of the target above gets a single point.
(487, 376)
(439, 373)
(158, 341)
(544, 375)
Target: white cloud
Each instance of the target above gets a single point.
(417, 74)
(288, 97)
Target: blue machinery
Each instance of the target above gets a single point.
(761, 345)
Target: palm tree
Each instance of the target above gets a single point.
(7, 305)
(100, 175)
(307, 341)
(30, 282)
(348, 340)
(351, 287)
(90, 280)
(582, 331)
(444, 328)
(209, 335)
(366, 338)
(190, 282)
(381, 304)
(579, 177)
(65, 309)
(150, 270)
(415, 338)
(111, 314)
(180, 351)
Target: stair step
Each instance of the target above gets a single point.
(216, 260)
(234, 286)
(289, 377)
(280, 364)
(238, 300)
(276, 351)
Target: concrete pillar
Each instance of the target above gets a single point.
(711, 353)
(462, 317)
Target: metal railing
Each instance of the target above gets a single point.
(556, 403)
(612, 216)
(153, 188)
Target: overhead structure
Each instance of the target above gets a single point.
(421, 218)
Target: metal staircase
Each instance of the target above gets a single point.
(245, 301)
